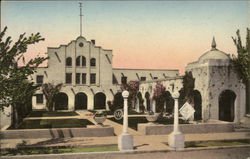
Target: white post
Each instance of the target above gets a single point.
(176, 138)
(176, 116)
(125, 140)
(125, 95)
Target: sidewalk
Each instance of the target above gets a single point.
(141, 143)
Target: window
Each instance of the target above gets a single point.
(78, 75)
(68, 78)
(124, 80)
(92, 78)
(39, 79)
(39, 98)
(143, 78)
(78, 59)
(83, 61)
(92, 62)
(68, 61)
(155, 77)
(81, 44)
(83, 78)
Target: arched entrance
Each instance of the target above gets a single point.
(169, 102)
(61, 101)
(118, 101)
(81, 101)
(226, 105)
(100, 101)
(147, 97)
(197, 101)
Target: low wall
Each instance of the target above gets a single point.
(57, 133)
(153, 129)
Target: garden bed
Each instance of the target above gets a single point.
(56, 150)
(194, 144)
(54, 123)
(134, 121)
(51, 114)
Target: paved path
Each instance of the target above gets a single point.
(141, 143)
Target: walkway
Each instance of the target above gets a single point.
(141, 143)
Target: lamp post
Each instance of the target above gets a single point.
(125, 140)
(176, 138)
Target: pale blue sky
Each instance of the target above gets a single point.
(173, 30)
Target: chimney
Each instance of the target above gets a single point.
(93, 42)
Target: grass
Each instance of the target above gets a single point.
(217, 143)
(134, 121)
(54, 123)
(47, 150)
(51, 114)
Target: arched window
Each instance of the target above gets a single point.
(68, 61)
(78, 59)
(92, 62)
(83, 61)
(100, 101)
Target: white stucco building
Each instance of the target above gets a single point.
(218, 93)
(88, 78)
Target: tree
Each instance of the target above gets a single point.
(132, 87)
(15, 88)
(186, 93)
(241, 63)
(50, 91)
(159, 97)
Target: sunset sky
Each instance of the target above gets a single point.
(142, 34)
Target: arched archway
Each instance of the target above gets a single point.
(100, 101)
(226, 105)
(168, 102)
(147, 97)
(61, 101)
(118, 100)
(81, 101)
(197, 101)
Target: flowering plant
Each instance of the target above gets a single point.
(133, 88)
(158, 96)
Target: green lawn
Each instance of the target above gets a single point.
(134, 121)
(54, 123)
(51, 114)
(34, 151)
(217, 143)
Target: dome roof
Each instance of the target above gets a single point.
(214, 54)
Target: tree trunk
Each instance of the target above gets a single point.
(248, 97)
(15, 116)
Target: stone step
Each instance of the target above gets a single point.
(242, 130)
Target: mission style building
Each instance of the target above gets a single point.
(87, 75)
(89, 81)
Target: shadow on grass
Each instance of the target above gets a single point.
(134, 121)
(51, 114)
(54, 123)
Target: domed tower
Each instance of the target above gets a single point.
(221, 92)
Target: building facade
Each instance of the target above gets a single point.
(88, 78)
(218, 94)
